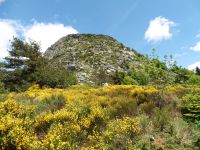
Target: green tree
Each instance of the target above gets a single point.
(54, 75)
(194, 79)
(25, 65)
(21, 64)
(117, 77)
(127, 80)
(140, 77)
(197, 71)
(181, 74)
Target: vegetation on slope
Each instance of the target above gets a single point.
(25, 66)
(113, 117)
(149, 105)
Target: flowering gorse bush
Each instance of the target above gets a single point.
(85, 117)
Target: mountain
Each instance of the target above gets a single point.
(88, 54)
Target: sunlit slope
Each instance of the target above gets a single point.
(85, 117)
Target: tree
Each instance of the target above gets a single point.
(21, 64)
(54, 75)
(197, 71)
(181, 74)
(25, 65)
(117, 77)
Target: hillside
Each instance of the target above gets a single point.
(89, 53)
(147, 105)
(122, 117)
(98, 59)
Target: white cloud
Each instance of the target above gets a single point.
(47, 34)
(197, 36)
(8, 30)
(196, 47)
(193, 66)
(159, 29)
(44, 33)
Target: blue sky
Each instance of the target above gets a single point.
(170, 26)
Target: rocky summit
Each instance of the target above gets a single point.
(87, 54)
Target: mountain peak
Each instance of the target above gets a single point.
(86, 54)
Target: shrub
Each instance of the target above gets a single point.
(194, 79)
(51, 104)
(129, 81)
(111, 117)
(191, 106)
(54, 76)
(2, 88)
(118, 77)
(161, 119)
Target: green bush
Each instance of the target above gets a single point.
(54, 76)
(191, 106)
(140, 77)
(194, 79)
(118, 77)
(2, 88)
(127, 80)
(161, 119)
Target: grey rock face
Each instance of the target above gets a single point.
(88, 53)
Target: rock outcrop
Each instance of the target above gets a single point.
(86, 54)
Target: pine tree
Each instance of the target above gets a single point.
(21, 63)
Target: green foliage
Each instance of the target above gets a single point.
(181, 74)
(130, 78)
(21, 64)
(26, 66)
(127, 80)
(2, 87)
(161, 117)
(54, 76)
(140, 77)
(191, 105)
(194, 79)
(118, 77)
(154, 71)
(197, 71)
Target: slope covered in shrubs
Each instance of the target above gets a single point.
(111, 117)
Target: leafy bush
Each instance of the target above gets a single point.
(191, 106)
(129, 81)
(161, 117)
(54, 76)
(2, 88)
(194, 79)
(141, 78)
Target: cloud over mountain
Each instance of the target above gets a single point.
(159, 29)
(44, 33)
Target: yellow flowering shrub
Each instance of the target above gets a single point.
(81, 116)
(61, 136)
(117, 134)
